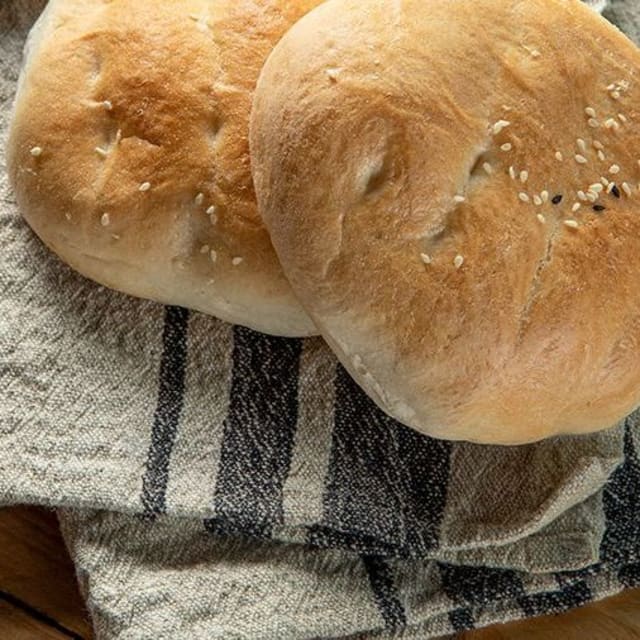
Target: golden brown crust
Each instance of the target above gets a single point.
(492, 318)
(124, 96)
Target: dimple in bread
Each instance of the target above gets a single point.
(453, 191)
(129, 153)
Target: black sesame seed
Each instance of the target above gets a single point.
(557, 199)
(615, 191)
(598, 207)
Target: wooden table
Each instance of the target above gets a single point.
(39, 599)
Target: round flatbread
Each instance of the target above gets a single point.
(129, 151)
(452, 189)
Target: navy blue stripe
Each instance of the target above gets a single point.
(462, 619)
(621, 500)
(331, 538)
(258, 434)
(629, 575)
(423, 464)
(38, 615)
(478, 586)
(168, 410)
(386, 483)
(568, 597)
(474, 588)
(384, 592)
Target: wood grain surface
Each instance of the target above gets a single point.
(39, 599)
(38, 593)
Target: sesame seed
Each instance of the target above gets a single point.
(205, 248)
(426, 258)
(545, 196)
(591, 196)
(512, 172)
(105, 220)
(458, 261)
(103, 153)
(591, 112)
(580, 159)
(559, 156)
(615, 95)
(598, 145)
(67, 216)
(107, 105)
(118, 136)
(596, 187)
(145, 186)
(115, 236)
(582, 195)
(507, 146)
(604, 181)
(626, 188)
(541, 218)
(200, 21)
(523, 197)
(488, 168)
(593, 123)
(199, 199)
(524, 176)
(575, 207)
(236, 261)
(611, 87)
(614, 168)
(601, 156)
(611, 188)
(572, 224)
(622, 118)
(610, 123)
(598, 208)
(211, 210)
(459, 199)
(537, 200)
(500, 125)
(557, 199)
(36, 152)
(213, 254)
(582, 145)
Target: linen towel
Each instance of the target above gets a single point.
(218, 483)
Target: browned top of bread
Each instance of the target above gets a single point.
(129, 150)
(452, 189)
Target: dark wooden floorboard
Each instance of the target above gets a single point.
(15, 624)
(36, 571)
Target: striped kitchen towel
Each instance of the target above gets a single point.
(218, 483)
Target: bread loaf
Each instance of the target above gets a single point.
(453, 191)
(129, 155)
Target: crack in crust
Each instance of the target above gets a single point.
(534, 287)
